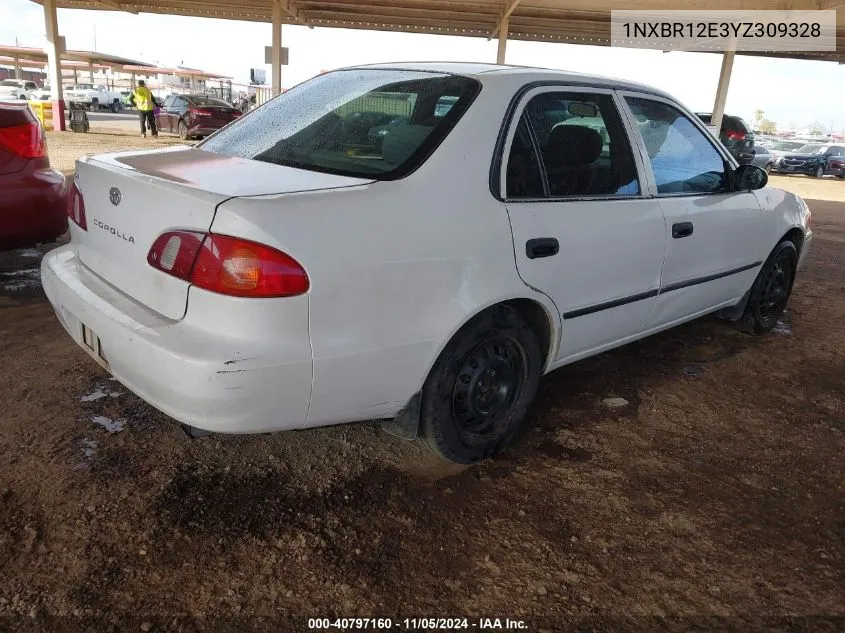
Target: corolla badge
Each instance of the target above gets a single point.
(114, 196)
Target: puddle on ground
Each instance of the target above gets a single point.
(782, 328)
(112, 426)
(20, 280)
(88, 447)
(99, 393)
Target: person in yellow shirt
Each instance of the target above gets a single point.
(144, 100)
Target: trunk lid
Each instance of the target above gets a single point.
(133, 197)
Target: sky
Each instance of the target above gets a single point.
(793, 93)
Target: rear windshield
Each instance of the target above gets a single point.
(11, 82)
(368, 123)
(202, 100)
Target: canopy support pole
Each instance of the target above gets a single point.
(503, 41)
(54, 64)
(276, 53)
(722, 91)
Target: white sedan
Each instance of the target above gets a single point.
(417, 243)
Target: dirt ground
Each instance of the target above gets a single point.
(714, 501)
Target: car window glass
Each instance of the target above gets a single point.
(374, 123)
(524, 176)
(682, 159)
(583, 145)
(179, 102)
(169, 101)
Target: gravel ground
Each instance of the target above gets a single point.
(713, 501)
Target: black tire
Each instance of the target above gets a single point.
(819, 172)
(768, 168)
(115, 106)
(183, 130)
(770, 292)
(479, 390)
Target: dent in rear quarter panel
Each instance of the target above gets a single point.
(395, 268)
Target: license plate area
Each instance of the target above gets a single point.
(92, 342)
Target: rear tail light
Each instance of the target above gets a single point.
(228, 265)
(26, 140)
(236, 114)
(734, 135)
(76, 207)
(198, 112)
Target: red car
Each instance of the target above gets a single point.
(33, 196)
(194, 115)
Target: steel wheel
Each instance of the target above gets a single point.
(488, 383)
(479, 389)
(775, 290)
(183, 130)
(771, 290)
(819, 172)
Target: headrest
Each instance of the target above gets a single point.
(572, 146)
(401, 141)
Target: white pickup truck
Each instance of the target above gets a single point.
(94, 97)
(16, 89)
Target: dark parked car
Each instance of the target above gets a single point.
(762, 158)
(815, 160)
(33, 198)
(194, 115)
(736, 135)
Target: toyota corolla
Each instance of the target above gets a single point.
(417, 243)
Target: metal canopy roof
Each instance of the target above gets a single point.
(568, 21)
(87, 57)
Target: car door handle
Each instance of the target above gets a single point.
(681, 229)
(541, 247)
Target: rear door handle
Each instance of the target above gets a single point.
(681, 229)
(541, 247)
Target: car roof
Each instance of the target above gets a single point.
(530, 74)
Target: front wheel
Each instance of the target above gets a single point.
(478, 392)
(819, 172)
(768, 168)
(183, 130)
(771, 290)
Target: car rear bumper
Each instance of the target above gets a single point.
(201, 370)
(33, 207)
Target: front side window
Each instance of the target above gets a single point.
(682, 159)
(370, 123)
(583, 146)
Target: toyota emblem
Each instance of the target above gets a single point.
(114, 196)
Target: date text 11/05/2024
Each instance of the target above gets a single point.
(413, 624)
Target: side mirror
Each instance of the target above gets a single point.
(749, 177)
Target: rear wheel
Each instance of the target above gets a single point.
(183, 130)
(771, 290)
(819, 172)
(768, 168)
(478, 392)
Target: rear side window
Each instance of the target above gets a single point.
(524, 174)
(369, 123)
(682, 159)
(584, 149)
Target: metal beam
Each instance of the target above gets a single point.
(504, 19)
(112, 4)
(294, 13)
